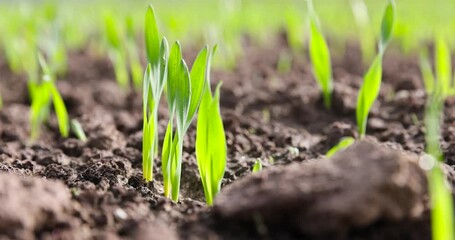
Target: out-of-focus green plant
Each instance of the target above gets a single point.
(116, 50)
(155, 79)
(43, 93)
(443, 66)
(362, 19)
(184, 93)
(443, 69)
(257, 166)
(320, 58)
(133, 55)
(210, 140)
(442, 222)
(343, 144)
(294, 29)
(77, 129)
(427, 72)
(369, 90)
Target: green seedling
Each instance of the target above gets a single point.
(427, 72)
(210, 140)
(369, 90)
(443, 66)
(441, 79)
(77, 129)
(343, 144)
(116, 50)
(184, 93)
(133, 55)
(362, 19)
(43, 94)
(1, 102)
(154, 81)
(257, 166)
(320, 58)
(294, 29)
(442, 222)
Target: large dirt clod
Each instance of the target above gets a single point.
(29, 204)
(357, 187)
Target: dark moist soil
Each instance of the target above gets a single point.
(277, 117)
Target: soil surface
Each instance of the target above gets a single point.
(273, 115)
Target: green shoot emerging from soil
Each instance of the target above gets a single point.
(42, 94)
(320, 58)
(427, 72)
(76, 128)
(440, 194)
(257, 166)
(210, 140)
(154, 80)
(373, 78)
(343, 144)
(443, 66)
(133, 55)
(116, 50)
(184, 94)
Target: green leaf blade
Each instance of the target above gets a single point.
(152, 38)
(368, 93)
(387, 25)
(320, 59)
(198, 82)
(343, 144)
(60, 111)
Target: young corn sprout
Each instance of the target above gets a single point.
(442, 222)
(210, 140)
(116, 50)
(427, 72)
(362, 19)
(184, 93)
(443, 66)
(320, 58)
(43, 93)
(369, 90)
(153, 85)
(257, 166)
(133, 55)
(76, 128)
(443, 69)
(343, 144)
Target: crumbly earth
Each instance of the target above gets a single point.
(273, 115)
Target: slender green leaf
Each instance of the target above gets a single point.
(60, 111)
(198, 82)
(173, 74)
(368, 94)
(152, 38)
(113, 36)
(77, 129)
(427, 72)
(443, 65)
(387, 26)
(320, 59)
(166, 159)
(343, 144)
(442, 221)
(217, 141)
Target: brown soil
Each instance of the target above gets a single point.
(277, 117)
